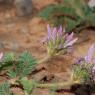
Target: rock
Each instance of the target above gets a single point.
(23, 7)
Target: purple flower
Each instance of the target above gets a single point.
(89, 56)
(70, 41)
(60, 31)
(49, 31)
(57, 39)
(69, 37)
(86, 63)
(54, 33)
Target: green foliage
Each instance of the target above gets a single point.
(79, 6)
(17, 68)
(9, 57)
(82, 74)
(12, 74)
(5, 89)
(51, 10)
(57, 13)
(24, 66)
(28, 85)
(72, 14)
(7, 62)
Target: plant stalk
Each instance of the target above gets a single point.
(62, 85)
(45, 59)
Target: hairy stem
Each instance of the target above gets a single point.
(25, 93)
(62, 85)
(45, 59)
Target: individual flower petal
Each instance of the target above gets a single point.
(54, 33)
(70, 43)
(1, 55)
(49, 31)
(60, 31)
(89, 56)
(69, 37)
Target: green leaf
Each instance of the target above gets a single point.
(11, 74)
(78, 5)
(71, 24)
(47, 12)
(5, 89)
(82, 74)
(25, 65)
(28, 85)
(90, 19)
(76, 12)
(7, 61)
(50, 11)
(9, 57)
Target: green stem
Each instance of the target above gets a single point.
(25, 93)
(45, 59)
(62, 85)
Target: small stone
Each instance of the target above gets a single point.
(23, 7)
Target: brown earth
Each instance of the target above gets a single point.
(26, 33)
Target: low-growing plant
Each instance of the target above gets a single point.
(5, 89)
(18, 67)
(74, 14)
(83, 70)
(57, 42)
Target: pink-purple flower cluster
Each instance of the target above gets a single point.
(88, 62)
(88, 59)
(58, 39)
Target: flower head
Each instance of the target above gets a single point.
(88, 58)
(58, 40)
(85, 67)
